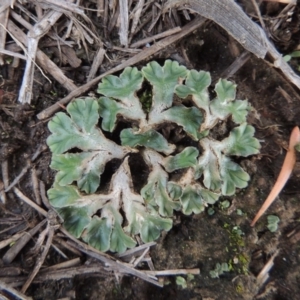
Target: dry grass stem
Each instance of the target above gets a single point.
(10, 240)
(29, 202)
(33, 37)
(40, 259)
(236, 65)
(3, 20)
(174, 272)
(155, 37)
(263, 275)
(133, 251)
(18, 295)
(140, 258)
(35, 185)
(13, 54)
(282, 1)
(15, 249)
(98, 59)
(43, 195)
(124, 22)
(109, 261)
(67, 264)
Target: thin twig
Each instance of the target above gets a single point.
(174, 272)
(40, 259)
(35, 184)
(109, 261)
(14, 54)
(3, 20)
(10, 240)
(66, 264)
(124, 22)
(39, 150)
(14, 250)
(263, 275)
(18, 178)
(43, 60)
(155, 37)
(43, 195)
(139, 259)
(137, 249)
(64, 244)
(29, 202)
(236, 65)
(2, 193)
(18, 295)
(98, 59)
(33, 37)
(5, 178)
(262, 23)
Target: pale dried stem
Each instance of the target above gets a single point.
(236, 65)
(2, 193)
(3, 20)
(29, 202)
(43, 60)
(14, 292)
(27, 166)
(139, 259)
(61, 6)
(15, 249)
(96, 64)
(5, 178)
(43, 195)
(40, 259)
(10, 53)
(135, 250)
(38, 31)
(256, 7)
(174, 272)
(67, 264)
(64, 244)
(124, 22)
(10, 240)
(100, 8)
(155, 37)
(137, 14)
(263, 275)
(282, 1)
(108, 261)
(35, 184)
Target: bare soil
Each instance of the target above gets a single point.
(197, 241)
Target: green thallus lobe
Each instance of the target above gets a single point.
(108, 220)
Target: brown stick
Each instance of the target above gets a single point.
(40, 259)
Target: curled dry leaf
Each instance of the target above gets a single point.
(285, 173)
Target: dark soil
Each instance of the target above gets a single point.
(197, 241)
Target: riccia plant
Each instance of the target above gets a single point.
(166, 116)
